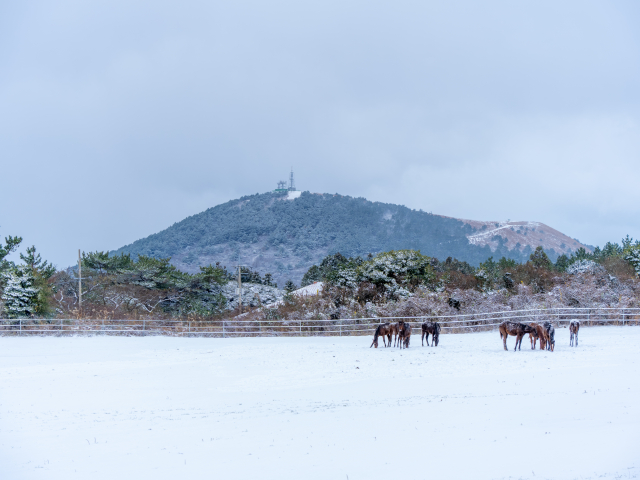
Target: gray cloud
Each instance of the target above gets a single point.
(120, 118)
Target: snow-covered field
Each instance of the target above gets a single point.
(319, 408)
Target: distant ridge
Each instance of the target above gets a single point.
(286, 233)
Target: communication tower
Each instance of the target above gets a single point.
(283, 187)
(292, 185)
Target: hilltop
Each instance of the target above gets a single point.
(286, 233)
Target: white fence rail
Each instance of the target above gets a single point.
(471, 322)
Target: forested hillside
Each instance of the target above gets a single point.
(271, 233)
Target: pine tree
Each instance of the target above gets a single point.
(34, 262)
(20, 296)
(290, 286)
(540, 259)
(562, 263)
(41, 271)
(10, 244)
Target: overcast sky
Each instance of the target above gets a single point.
(120, 117)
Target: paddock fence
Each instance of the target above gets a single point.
(462, 323)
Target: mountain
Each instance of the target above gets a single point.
(516, 235)
(284, 233)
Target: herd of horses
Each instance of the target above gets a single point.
(544, 333)
(401, 331)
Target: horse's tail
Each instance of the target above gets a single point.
(376, 335)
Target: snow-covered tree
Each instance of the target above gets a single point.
(20, 295)
(633, 257)
(392, 271)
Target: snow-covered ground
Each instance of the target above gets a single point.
(319, 408)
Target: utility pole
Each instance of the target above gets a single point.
(79, 279)
(240, 287)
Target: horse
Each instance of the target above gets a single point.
(516, 329)
(404, 334)
(382, 331)
(393, 330)
(432, 328)
(538, 333)
(551, 336)
(574, 326)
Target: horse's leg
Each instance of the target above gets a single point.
(571, 339)
(517, 340)
(423, 339)
(504, 340)
(576, 339)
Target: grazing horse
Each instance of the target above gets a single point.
(516, 329)
(551, 336)
(394, 330)
(432, 328)
(381, 331)
(533, 337)
(404, 334)
(539, 333)
(574, 326)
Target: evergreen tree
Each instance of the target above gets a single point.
(41, 271)
(214, 274)
(10, 244)
(633, 257)
(34, 262)
(20, 294)
(539, 258)
(290, 286)
(314, 274)
(562, 263)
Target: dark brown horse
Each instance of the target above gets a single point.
(382, 331)
(432, 328)
(516, 329)
(574, 326)
(404, 335)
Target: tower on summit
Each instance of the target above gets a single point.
(283, 187)
(292, 185)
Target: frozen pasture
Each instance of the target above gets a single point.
(319, 408)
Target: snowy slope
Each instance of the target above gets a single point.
(319, 408)
(521, 234)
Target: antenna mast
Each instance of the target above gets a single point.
(292, 185)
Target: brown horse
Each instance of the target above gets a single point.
(516, 329)
(432, 328)
(382, 331)
(574, 326)
(393, 330)
(404, 334)
(539, 333)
